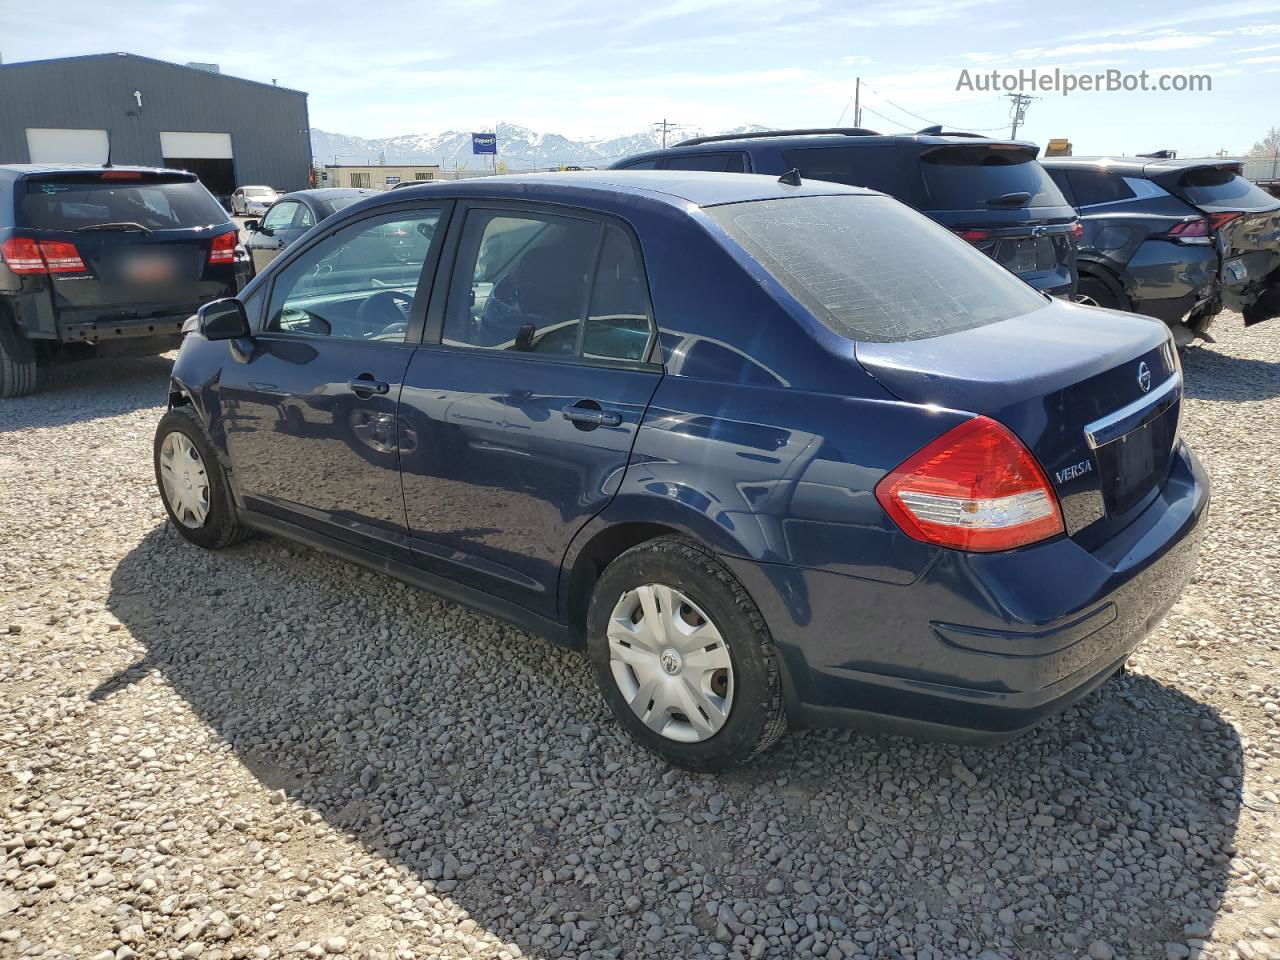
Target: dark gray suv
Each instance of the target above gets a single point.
(992, 193)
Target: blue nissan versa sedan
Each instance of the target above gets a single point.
(775, 453)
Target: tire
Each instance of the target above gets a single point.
(17, 360)
(1098, 293)
(753, 717)
(219, 526)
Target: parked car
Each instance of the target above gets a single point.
(291, 216)
(1174, 239)
(992, 193)
(710, 428)
(253, 201)
(111, 256)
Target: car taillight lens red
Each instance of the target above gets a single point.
(223, 249)
(27, 256)
(975, 488)
(1077, 231)
(1190, 229)
(61, 257)
(973, 236)
(1219, 220)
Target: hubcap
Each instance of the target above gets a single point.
(670, 663)
(186, 484)
(1087, 300)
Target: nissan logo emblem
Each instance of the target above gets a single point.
(1144, 376)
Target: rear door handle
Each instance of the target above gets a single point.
(591, 417)
(365, 386)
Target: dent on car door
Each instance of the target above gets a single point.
(309, 414)
(524, 415)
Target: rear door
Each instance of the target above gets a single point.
(309, 413)
(999, 198)
(131, 245)
(523, 412)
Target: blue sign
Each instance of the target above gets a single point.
(484, 143)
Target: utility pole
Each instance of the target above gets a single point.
(857, 101)
(665, 125)
(1018, 110)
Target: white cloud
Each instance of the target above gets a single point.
(1261, 60)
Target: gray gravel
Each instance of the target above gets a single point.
(269, 753)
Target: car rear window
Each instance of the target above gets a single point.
(873, 269)
(970, 177)
(334, 204)
(1215, 187)
(69, 203)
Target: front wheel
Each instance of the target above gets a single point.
(684, 658)
(192, 483)
(1093, 292)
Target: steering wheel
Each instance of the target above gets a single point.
(387, 309)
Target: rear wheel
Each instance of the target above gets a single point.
(17, 360)
(192, 483)
(684, 658)
(1093, 292)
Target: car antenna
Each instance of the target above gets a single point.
(791, 178)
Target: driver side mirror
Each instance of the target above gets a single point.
(253, 226)
(223, 320)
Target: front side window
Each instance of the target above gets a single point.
(280, 217)
(525, 283)
(359, 283)
(872, 269)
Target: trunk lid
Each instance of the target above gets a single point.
(998, 197)
(144, 239)
(1247, 231)
(1068, 380)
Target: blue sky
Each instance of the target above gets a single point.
(382, 68)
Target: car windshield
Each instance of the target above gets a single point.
(73, 203)
(977, 177)
(873, 269)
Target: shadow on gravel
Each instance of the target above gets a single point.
(80, 390)
(481, 762)
(1213, 375)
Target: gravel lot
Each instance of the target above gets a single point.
(267, 752)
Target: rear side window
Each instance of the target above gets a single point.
(872, 269)
(641, 165)
(1098, 186)
(980, 177)
(1215, 187)
(710, 162)
(73, 203)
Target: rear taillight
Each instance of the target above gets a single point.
(1190, 231)
(973, 236)
(223, 248)
(25, 255)
(61, 257)
(975, 488)
(1219, 220)
(21, 255)
(1077, 231)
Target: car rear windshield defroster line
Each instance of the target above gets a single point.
(872, 269)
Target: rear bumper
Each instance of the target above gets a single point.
(982, 646)
(1168, 280)
(98, 331)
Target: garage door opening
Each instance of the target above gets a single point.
(207, 155)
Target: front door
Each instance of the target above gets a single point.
(310, 412)
(522, 418)
(284, 223)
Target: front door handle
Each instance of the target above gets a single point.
(587, 415)
(364, 386)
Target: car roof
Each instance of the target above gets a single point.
(671, 187)
(821, 138)
(1145, 166)
(16, 171)
(327, 193)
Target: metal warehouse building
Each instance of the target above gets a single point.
(137, 110)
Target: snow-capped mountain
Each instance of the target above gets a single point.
(518, 147)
